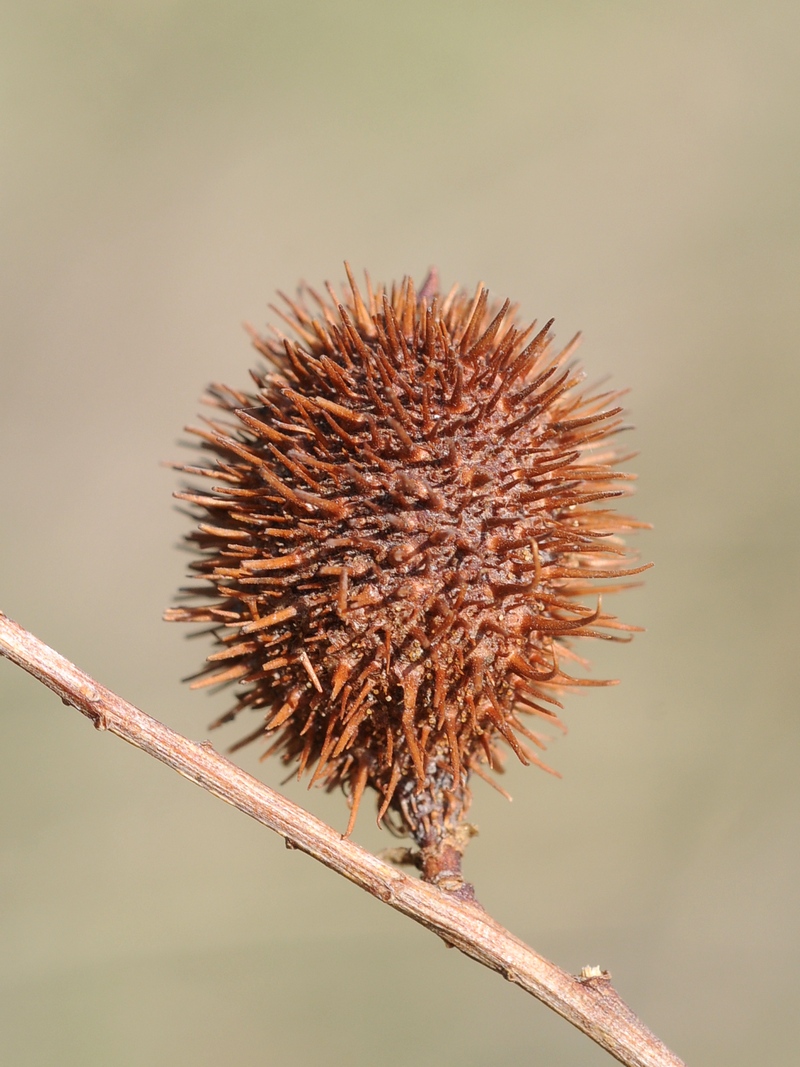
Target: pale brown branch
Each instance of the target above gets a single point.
(589, 1001)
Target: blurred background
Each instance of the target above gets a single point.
(630, 168)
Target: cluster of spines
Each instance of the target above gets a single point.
(405, 528)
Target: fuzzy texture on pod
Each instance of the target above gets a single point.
(399, 526)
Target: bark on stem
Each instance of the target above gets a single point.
(588, 1001)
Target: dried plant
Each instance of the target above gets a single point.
(405, 518)
(404, 521)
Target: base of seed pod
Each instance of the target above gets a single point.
(433, 815)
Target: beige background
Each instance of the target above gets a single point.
(631, 168)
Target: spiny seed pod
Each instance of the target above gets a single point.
(405, 518)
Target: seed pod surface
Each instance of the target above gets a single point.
(399, 527)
